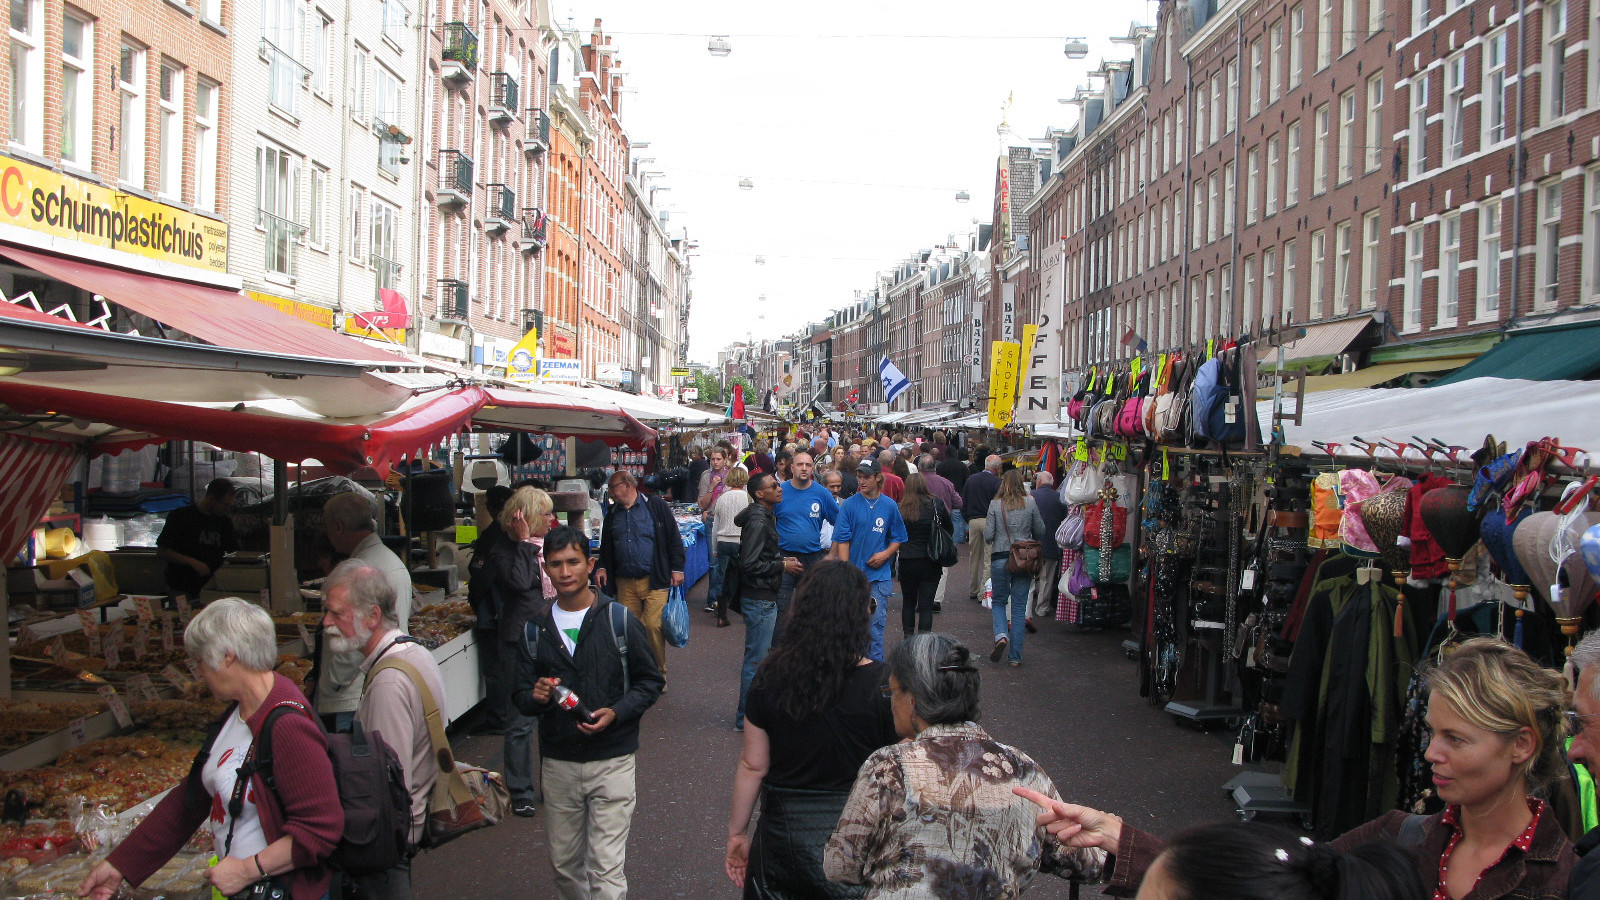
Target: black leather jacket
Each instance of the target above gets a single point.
(760, 560)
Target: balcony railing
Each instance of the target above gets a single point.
(455, 177)
(502, 207)
(284, 76)
(387, 273)
(538, 137)
(502, 97)
(460, 52)
(280, 240)
(535, 230)
(453, 299)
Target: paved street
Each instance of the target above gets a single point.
(1073, 705)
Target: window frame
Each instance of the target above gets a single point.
(1317, 304)
(1547, 281)
(1371, 271)
(1374, 138)
(1455, 99)
(205, 143)
(30, 102)
(1347, 136)
(1417, 142)
(1496, 88)
(169, 111)
(131, 116)
(1489, 252)
(1291, 165)
(1322, 120)
(78, 70)
(1342, 253)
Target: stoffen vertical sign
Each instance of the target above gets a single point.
(1003, 365)
(1039, 399)
(1008, 312)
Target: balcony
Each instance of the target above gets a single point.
(537, 139)
(387, 273)
(502, 98)
(455, 178)
(459, 59)
(453, 301)
(281, 236)
(502, 207)
(535, 231)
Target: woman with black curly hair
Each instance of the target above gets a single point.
(815, 712)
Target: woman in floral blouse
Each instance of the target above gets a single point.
(935, 816)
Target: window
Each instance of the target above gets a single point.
(1449, 268)
(1214, 220)
(169, 160)
(281, 24)
(1291, 166)
(1233, 94)
(1198, 222)
(1319, 261)
(1347, 135)
(1496, 88)
(1273, 147)
(1419, 124)
(1324, 32)
(130, 134)
(1319, 152)
(1341, 268)
(1489, 260)
(277, 190)
(1411, 304)
(1269, 287)
(1255, 78)
(387, 112)
(1275, 66)
(1252, 185)
(1288, 281)
(1591, 237)
(1347, 27)
(1210, 326)
(356, 90)
(1229, 192)
(77, 91)
(1455, 98)
(1555, 59)
(1217, 108)
(1250, 311)
(1548, 283)
(1200, 119)
(384, 252)
(317, 209)
(27, 74)
(1225, 276)
(321, 54)
(395, 19)
(1419, 16)
(1374, 120)
(1371, 271)
(1297, 39)
(205, 144)
(1374, 16)
(354, 237)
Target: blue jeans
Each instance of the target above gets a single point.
(787, 583)
(882, 591)
(1010, 592)
(518, 747)
(960, 523)
(759, 617)
(725, 553)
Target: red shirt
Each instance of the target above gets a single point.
(894, 486)
(1452, 820)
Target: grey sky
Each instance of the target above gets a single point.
(855, 122)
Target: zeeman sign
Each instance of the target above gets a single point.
(40, 200)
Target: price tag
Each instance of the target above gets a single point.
(90, 678)
(305, 637)
(78, 732)
(119, 710)
(95, 643)
(1230, 412)
(176, 675)
(143, 689)
(1238, 754)
(166, 631)
(142, 609)
(25, 635)
(141, 638)
(1247, 580)
(58, 651)
(113, 656)
(88, 620)
(183, 609)
(115, 636)
(1166, 465)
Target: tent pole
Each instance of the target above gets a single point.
(280, 491)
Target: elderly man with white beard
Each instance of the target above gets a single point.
(359, 618)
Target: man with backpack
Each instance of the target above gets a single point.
(401, 689)
(587, 671)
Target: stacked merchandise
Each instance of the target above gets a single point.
(1096, 543)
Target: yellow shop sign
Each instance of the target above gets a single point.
(38, 199)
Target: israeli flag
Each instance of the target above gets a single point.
(894, 380)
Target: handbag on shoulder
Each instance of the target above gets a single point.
(941, 546)
(1026, 557)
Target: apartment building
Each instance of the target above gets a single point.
(601, 238)
(571, 139)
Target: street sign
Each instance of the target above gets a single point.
(681, 372)
(560, 370)
(690, 393)
(608, 372)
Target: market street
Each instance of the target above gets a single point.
(1073, 705)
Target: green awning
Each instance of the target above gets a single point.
(1448, 348)
(1562, 353)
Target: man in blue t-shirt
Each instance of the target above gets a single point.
(806, 504)
(868, 533)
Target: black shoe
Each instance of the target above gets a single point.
(1028, 624)
(999, 650)
(710, 608)
(524, 808)
(723, 622)
(938, 606)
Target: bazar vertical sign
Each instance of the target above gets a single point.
(39, 200)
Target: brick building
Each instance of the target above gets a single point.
(601, 237)
(571, 139)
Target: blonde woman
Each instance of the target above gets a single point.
(523, 593)
(725, 539)
(1013, 516)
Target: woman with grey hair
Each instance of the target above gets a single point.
(938, 809)
(280, 833)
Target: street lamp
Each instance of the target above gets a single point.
(962, 196)
(1077, 48)
(746, 184)
(719, 45)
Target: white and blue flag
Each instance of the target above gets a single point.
(894, 380)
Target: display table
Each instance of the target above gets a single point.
(696, 551)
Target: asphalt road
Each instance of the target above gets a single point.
(1073, 706)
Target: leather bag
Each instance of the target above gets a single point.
(1027, 557)
(1083, 484)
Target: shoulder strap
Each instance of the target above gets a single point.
(449, 790)
(1411, 831)
(530, 638)
(619, 633)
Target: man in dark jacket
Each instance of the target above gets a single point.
(587, 767)
(975, 497)
(761, 569)
(483, 595)
(1052, 511)
(641, 556)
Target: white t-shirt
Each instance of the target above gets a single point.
(568, 624)
(218, 776)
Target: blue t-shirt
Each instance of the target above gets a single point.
(800, 517)
(869, 526)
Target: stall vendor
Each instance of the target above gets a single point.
(196, 538)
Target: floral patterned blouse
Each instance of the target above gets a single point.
(936, 818)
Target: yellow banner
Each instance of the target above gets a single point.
(523, 363)
(51, 203)
(1005, 359)
(306, 312)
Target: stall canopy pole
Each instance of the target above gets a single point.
(280, 491)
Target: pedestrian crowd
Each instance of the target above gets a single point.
(872, 775)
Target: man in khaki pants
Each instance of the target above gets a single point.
(641, 557)
(975, 497)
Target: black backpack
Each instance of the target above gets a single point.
(372, 790)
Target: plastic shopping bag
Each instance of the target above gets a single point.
(675, 619)
(988, 593)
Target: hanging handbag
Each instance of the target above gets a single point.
(1083, 485)
(1113, 567)
(941, 546)
(1093, 525)
(1069, 536)
(1027, 557)
(464, 798)
(1078, 582)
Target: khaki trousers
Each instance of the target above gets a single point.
(647, 606)
(977, 556)
(588, 809)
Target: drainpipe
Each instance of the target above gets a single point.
(1185, 145)
(1517, 171)
(1238, 176)
(344, 170)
